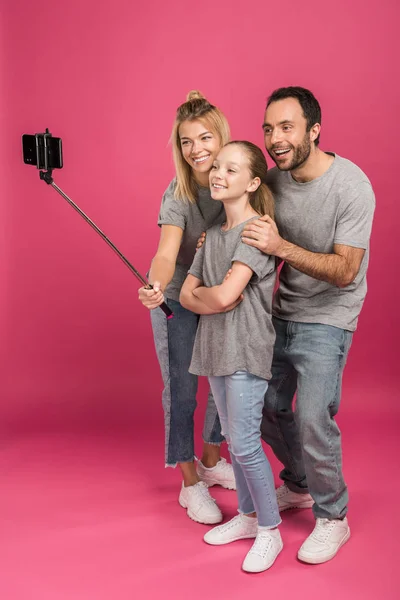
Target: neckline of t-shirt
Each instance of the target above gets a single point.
(236, 226)
(317, 179)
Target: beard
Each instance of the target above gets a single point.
(299, 157)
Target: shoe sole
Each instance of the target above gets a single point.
(223, 484)
(242, 537)
(195, 517)
(265, 568)
(300, 505)
(318, 561)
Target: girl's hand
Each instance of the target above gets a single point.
(151, 298)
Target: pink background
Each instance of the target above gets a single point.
(107, 77)
(77, 353)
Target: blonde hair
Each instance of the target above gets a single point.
(196, 107)
(262, 199)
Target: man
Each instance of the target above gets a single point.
(324, 211)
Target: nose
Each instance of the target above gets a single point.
(275, 135)
(196, 147)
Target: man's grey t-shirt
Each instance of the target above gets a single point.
(243, 338)
(193, 218)
(336, 208)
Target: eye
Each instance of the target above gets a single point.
(213, 167)
(267, 131)
(206, 137)
(286, 128)
(231, 171)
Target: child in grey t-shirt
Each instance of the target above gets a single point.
(234, 348)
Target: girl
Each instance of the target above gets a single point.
(234, 349)
(199, 132)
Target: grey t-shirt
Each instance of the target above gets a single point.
(336, 208)
(193, 218)
(243, 338)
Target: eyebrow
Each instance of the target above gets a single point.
(285, 122)
(201, 134)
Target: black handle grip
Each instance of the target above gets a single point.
(167, 311)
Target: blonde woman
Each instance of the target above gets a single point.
(187, 209)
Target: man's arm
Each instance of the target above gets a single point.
(229, 292)
(339, 268)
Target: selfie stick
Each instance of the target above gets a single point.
(47, 177)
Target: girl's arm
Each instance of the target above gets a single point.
(219, 297)
(188, 299)
(162, 266)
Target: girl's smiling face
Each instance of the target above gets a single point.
(230, 176)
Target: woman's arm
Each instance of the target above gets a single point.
(220, 297)
(162, 266)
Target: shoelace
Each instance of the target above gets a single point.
(203, 491)
(322, 530)
(262, 544)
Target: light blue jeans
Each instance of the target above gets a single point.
(240, 400)
(309, 359)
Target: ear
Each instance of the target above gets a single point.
(254, 184)
(314, 132)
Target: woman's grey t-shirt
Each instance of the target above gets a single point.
(193, 218)
(243, 338)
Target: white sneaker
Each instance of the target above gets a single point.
(264, 551)
(288, 499)
(238, 528)
(325, 541)
(222, 474)
(201, 507)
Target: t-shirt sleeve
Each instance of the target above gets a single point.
(355, 216)
(197, 265)
(261, 264)
(172, 211)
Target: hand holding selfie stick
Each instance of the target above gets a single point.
(47, 177)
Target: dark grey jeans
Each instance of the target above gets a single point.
(308, 358)
(174, 339)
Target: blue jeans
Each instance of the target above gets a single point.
(309, 358)
(174, 340)
(240, 399)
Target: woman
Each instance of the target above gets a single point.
(187, 209)
(235, 349)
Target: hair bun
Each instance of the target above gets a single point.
(194, 95)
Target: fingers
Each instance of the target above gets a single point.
(201, 240)
(150, 298)
(253, 242)
(228, 274)
(267, 219)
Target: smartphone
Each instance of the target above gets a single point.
(42, 150)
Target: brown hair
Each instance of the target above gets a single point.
(196, 107)
(262, 199)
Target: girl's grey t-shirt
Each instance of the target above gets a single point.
(193, 218)
(243, 338)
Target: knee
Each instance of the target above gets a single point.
(246, 450)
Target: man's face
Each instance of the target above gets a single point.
(286, 138)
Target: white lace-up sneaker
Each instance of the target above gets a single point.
(201, 507)
(325, 541)
(238, 528)
(263, 553)
(222, 474)
(288, 499)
